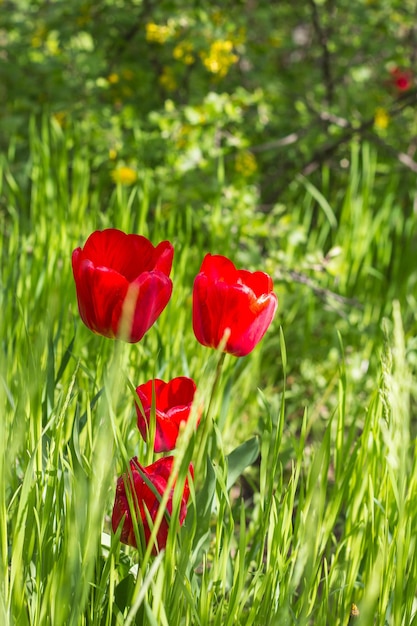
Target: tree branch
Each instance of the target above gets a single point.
(325, 59)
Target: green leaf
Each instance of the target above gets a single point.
(123, 592)
(240, 458)
(206, 495)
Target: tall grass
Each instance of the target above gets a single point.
(321, 519)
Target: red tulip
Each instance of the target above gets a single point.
(145, 501)
(402, 80)
(122, 283)
(236, 304)
(172, 404)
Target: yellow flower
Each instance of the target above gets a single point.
(183, 136)
(220, 57)
(167, 79)
(113, 78)
(218, 17)
(183, 52)
(52, 43)
(84, 16)
(156, 33)
(36, 41)
(39, 36)
(60, 118)
(275, 40)
(127, 91)
(128, 74)
(239, 37)
(112, 153)
(124, 175)
(245, 163)
(381, 119)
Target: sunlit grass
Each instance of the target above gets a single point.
(326, 513)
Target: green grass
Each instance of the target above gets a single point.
(307, 500)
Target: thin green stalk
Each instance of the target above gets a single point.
(206, 445)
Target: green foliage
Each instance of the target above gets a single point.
(294, 516)
(169, 87)
(246, 129)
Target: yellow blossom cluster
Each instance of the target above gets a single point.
(239, 36)
(167, 79)
(218, 17)
(183, 51)
(128, 74)
(39, 36)
(85, 16)
(245, 163)
(120, 85)
(157, 33)
(113, 78)
(220, 57)
(381, 119)
(60, 118)
(49, 40)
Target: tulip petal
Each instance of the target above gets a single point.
(128, 254)
(100, 293)
(163, 257)
(154, 290)
(259, 282)
(218, 267)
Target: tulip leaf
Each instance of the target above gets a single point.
(123, 592)
(204, 506)
(206, 495)
(240, 458)
(65, 360)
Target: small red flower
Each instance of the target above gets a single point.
(122, 283)
(145, 501)
(227, 300)
(402, 80)
(172, 404)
